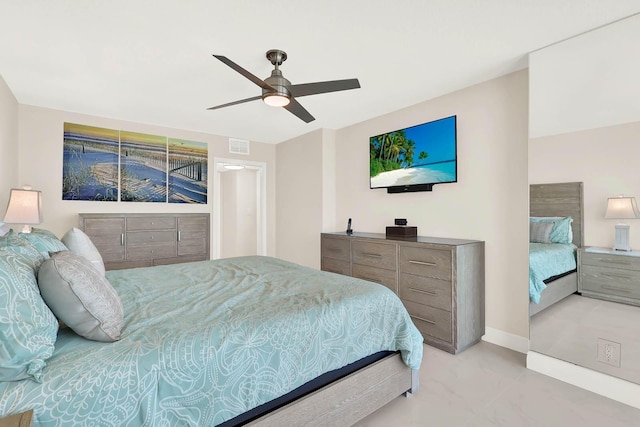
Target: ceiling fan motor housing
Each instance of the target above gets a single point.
(279, 83)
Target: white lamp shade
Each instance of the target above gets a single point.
(622, 208)
(25, 207)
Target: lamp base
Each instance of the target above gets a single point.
(622, 238)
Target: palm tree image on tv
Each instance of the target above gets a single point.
(90, 163)
(422, 154)
(188, 171)
(143, 167)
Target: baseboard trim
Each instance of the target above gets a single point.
(605, 385)
(505, 339)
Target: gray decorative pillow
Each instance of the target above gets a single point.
(28, 329)
(81, 297)
(78, 242)
(540, 232)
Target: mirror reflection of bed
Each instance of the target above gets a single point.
(565, 324)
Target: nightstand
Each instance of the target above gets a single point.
(609, 275)
(22, 419)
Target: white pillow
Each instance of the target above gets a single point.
(81, 297)
(81, 244)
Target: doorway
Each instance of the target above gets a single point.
(239, 208)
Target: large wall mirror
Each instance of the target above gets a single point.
(585, 127)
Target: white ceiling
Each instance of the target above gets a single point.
(149, 61)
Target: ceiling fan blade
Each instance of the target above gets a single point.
(297, 109)
(244, 72)
(253, 98)
(323, 87)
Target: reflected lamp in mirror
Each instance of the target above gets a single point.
(25, 207)
(622, 208)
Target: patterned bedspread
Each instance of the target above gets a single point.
(548, 260)
(206, 341)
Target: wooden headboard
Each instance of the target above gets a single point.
(560, 199)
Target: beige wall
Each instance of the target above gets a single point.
(300, 199)
(489, 202)
(8, 144)
(606, 160)
(40, 165)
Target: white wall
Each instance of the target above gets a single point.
(489, 202)
(40, 165)
(587, 82)
(239, 213)
(8, 144)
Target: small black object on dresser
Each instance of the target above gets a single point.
(401, 229)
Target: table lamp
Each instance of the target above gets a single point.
(622, 208)
(25, 207)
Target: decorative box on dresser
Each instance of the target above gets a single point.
(143, 240)
(610, 275)
(440, 281)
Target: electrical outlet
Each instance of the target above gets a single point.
(608, 352)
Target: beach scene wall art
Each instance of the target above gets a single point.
(143, 167)
(188, 171)
(110, 165)
(90, 163)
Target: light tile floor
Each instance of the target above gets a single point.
(488, 385)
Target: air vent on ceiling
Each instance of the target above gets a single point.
(238, 146)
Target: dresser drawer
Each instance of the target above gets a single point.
(335, 248)
(613, 261)
(336, 266)
(149, 252)
(103, 226)
(379, 255)
(610, 281)
(425, 262)
(431, 321)
(425, 290)
(151, 223)
(151, 237)
(377, 275)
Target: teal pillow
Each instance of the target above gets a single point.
(44, 241)
(14, 243)
(561, 232)
(29, 328)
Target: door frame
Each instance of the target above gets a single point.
(261, 203)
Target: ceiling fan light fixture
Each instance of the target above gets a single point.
(276, 100)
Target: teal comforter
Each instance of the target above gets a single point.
(206, 341)
(548, 260)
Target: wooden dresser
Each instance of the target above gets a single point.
(440, 281)
(610, 275)
(143, 240)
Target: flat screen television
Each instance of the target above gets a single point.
(414, 158)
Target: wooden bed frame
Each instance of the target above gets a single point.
(349, 399)
(558, 199)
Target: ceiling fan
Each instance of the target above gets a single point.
(279, 92)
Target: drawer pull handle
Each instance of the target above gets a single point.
(615, 288)
(179, 236)
(425, 320)
(422, 291)
(121, 239)
(370, 255)
(430, 264)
